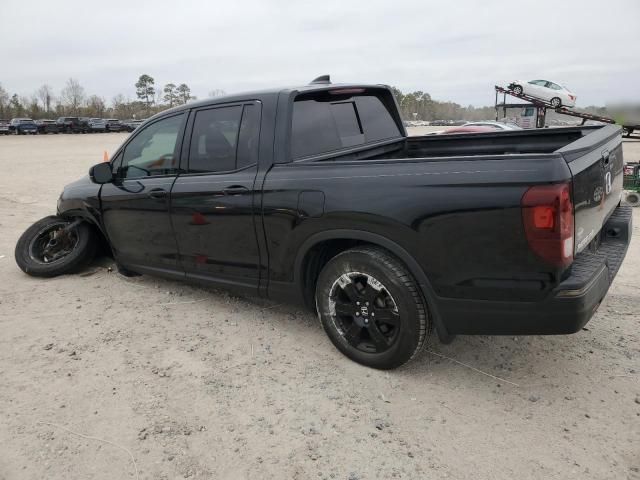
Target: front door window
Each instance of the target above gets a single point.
(153, 151)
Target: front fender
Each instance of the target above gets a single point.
(81, 199)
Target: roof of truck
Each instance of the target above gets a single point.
(260, 94)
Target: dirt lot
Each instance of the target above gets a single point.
(199, 384)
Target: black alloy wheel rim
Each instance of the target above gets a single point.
(364, 312)
(53, 243)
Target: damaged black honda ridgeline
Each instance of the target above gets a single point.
(317, 195)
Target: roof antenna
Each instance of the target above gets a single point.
(321, 80)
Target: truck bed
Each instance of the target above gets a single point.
(501, 142)
(498, 143)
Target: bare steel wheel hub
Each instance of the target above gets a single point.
(53, 243)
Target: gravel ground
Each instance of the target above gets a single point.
(182, 382)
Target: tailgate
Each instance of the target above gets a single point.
(596, 165)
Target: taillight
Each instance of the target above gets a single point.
(547, 213)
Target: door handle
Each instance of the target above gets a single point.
(235, 190)
(157, 193)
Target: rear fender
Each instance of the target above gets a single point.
(391, 246)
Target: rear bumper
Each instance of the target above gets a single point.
(567, 308)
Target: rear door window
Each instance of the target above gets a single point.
(225, 139)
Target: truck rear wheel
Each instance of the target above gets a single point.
(49, 248)
(371, 308)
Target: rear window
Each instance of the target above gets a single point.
(324, 122)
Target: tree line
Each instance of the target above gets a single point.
(419, 105)
(73, 100)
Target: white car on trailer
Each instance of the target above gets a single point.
(556, 95)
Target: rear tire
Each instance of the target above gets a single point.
(352, 288)
(36, 253)
(517, 89)
(556, 102)
(633, 198)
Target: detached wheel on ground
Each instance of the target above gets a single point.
(633, 199)
(54, 246)
(371, 308)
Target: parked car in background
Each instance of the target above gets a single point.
(556, 95)
(84, 124)
(131, 125)
(69, 124)
(97, 125)
(114, 125)
(4, 127)
(495, 125)
(23, 126)
(47, 126)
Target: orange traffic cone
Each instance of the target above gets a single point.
(105, 157)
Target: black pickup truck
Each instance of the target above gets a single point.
(317, 195)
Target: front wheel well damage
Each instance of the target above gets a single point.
(103, 248)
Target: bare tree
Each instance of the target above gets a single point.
(45, 94)
(96, 106)
(73, 95)
(33, 107)
(118, 100)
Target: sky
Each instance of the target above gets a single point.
(454, 50)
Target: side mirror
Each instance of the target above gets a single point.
(101, 173)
